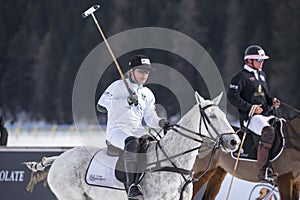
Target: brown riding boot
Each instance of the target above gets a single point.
(266, 143)
(262, 160)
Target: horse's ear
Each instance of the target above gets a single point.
(198, 97)
(218, 99)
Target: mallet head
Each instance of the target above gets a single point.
(90, 11)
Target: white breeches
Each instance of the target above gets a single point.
(117, 137)
(258, 122)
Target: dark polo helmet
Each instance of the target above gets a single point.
(255, 52)
(140, 62)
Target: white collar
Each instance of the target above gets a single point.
(134, 84)
(249, 69)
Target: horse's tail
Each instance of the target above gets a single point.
(40, 166)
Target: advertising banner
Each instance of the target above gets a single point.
(17, 181)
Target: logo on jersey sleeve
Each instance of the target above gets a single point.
(233, 86)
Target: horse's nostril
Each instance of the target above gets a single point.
(233, 142)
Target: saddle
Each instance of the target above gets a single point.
(106, 168)
(249, 150)
(101, 171)
(112, 150)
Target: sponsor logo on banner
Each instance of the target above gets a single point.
(264, 192)
(35, 179)
(11, 175)
(16, 177)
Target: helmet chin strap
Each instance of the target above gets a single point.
(132, 77)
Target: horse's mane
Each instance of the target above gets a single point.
(287, 112)
(292, 115)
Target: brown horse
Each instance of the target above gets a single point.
(287, 165)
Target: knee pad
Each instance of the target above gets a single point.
(131, 150)
(268, 137)
(132, 144)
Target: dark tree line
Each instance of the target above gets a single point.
(43, 44)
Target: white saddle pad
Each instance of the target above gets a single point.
(101, 171)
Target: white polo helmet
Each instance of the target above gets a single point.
(255, 52)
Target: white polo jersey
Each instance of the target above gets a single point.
(125, 120)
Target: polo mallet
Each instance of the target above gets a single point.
(91, 11)
(241, 146)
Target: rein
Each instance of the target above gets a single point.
(289, 144)
(168, 158)
(215, 141)
(291, 108)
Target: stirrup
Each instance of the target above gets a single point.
(139, 195)
(270, 176)
(268, 180)
(270, 173)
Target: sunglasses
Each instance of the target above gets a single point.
(260, 60)
(143, 71)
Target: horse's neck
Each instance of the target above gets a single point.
(173, 143)
(190, 121)
(292, 127)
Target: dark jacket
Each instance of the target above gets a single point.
(3, 133)
(245, 91)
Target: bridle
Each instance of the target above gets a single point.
(214, 144)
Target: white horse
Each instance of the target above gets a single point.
(66, 176)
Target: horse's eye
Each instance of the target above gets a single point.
(213, 116)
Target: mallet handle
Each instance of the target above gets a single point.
(251, 113)
(112, 55)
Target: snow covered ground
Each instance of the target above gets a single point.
(55, 136)
(68, 137)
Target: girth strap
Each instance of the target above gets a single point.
(172, 169)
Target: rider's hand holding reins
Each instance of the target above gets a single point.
(257, 109)
(276, 102)
(133, 99)
(165, 125)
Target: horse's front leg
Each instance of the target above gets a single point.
(199, 184)
(214, 183)
(285, 186)
(296, 188)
